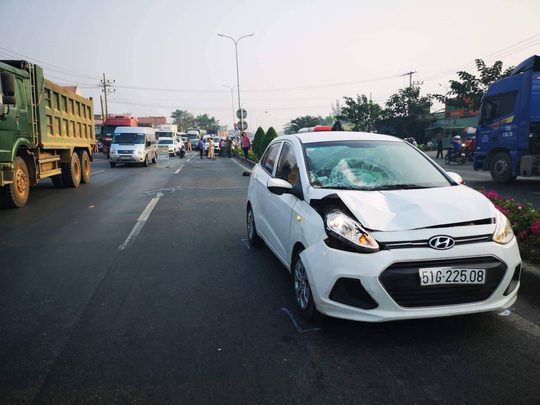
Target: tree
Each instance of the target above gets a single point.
(336, 109)
(257, 141)
(270, 134)
(206, 122)
(301, 122)
(329, 120)
(407, 112)
(184, 119)
(337, 126)
(363, 113)
(468, 91)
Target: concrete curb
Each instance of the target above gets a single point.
(250, 163)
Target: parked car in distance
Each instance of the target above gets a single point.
(172, 143)
(372, 229)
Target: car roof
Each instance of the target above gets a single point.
(328, 136)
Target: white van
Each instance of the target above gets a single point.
(133, 145)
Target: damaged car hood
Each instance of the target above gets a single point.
(399, 210)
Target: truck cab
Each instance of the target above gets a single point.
(508, 133)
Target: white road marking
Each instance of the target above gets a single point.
(180, 168)
(534, 192)
(523, 324)
(140, 223)
(246, 242)
(242, 166)
(99, 171)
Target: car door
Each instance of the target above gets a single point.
(279, 208)
(261, 175)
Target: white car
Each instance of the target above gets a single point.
(372, 229)
(173, 145)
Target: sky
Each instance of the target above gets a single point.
(304, 55)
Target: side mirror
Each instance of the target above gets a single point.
(279, 186)
(456, 177)
(8, 84)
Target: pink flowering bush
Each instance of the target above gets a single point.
(525, 222)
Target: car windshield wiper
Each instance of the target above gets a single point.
(398, 187)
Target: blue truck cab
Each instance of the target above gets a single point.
(508, 133)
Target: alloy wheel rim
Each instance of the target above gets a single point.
(301, 285)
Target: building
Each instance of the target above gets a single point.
(451, 122)
(154, 121)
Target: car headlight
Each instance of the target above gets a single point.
(349, 231)
(503, 230)
(113, 151)
(139, 152)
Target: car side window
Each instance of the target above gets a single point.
(287, 167)
(270, 158)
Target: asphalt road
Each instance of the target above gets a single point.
(140, 288)
(522, 189)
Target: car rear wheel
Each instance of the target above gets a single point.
(253, 238)
(302, 291)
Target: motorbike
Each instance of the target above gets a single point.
(457, 157)
(182, 152)
(469, 155)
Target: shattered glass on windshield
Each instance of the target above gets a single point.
(369, 165)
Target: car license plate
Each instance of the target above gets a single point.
(126, 158)
(442, 276)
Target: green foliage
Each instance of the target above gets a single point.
(525, 222)
(251, 156)
(362, 113)
(184, 119)
(301, 122)
(257, 141)
(204, 121)
(270, 135)
(337, 126)
(407, 112)
(328, 121)
(469, 89)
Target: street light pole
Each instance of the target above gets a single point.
(238, 73)
(232, 100)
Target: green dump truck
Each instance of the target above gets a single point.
(45, 131)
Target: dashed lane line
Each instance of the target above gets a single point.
(140, 223)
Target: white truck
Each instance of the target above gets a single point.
(167, 131)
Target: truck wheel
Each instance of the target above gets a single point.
(145, 163)
(501, 168)
(85, 166)
(15, 194)
(71, 172)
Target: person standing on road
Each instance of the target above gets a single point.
(188, 145)
(211, 149)
(229, 148)
(245, 144)
(200, 145)
(439, 146)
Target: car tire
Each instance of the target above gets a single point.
(253, 238)
(303, 296)
(501, 168)
(145, 163)
(113, 164)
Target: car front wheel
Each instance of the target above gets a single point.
(302, 291)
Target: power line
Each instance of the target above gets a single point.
(48, 64)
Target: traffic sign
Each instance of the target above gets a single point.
(241, 112)
(242, 125)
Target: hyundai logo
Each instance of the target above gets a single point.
(441, 242)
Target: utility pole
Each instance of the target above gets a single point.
(101, 101)
(410, 77)
(106, 89)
